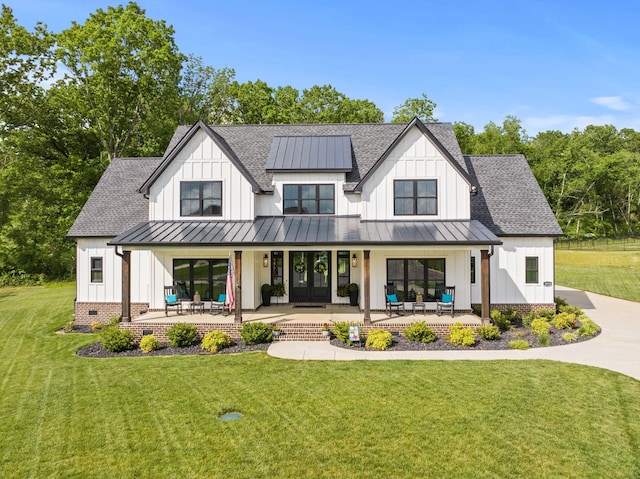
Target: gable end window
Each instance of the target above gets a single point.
(415, 197)
(201, 198)
(309, 199)
(531, 266)
(96, 269)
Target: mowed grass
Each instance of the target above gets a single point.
(71, 417)
(608, 272)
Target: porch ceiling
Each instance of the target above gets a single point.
(306, 230)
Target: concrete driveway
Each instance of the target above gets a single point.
(617, 348)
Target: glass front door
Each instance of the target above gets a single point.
(310, 273)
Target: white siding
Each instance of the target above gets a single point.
(415, 157)
(271, 205)
(201, 160)
(508, 282)
(110, 289)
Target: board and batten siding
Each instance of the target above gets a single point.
(201, 160)
(508, 271)
(110, 289)
(415, 157)
(272, 205)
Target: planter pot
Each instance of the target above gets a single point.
(326, 333)
(266, 299)
(353, 298)
(277, 333)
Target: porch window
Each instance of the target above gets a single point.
(344, 271)
(409, 277)
(309, 199)
(473, 270)
(96, 269)
(201, 198)
(415, 197)
(205, 276)
(531, 266)
(277, 267)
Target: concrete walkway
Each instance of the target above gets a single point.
(616, 348)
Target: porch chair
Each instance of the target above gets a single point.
(447, 300)
(171, 300)
(391, 302)
(218, 306)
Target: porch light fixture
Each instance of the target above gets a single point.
(354, 261)
(265, 261)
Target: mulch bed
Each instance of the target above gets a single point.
(400, 343)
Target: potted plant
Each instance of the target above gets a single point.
(325, 329)
(343, 290)
(353, 294)
(266, 290)
(275, 329)
(278, 290)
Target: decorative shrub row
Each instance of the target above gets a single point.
(116, 340)
(419, 331)
(379, 339)
(256, 333)
(461, 336)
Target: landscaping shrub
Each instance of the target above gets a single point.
(256, 333)
(488, 332)
(341, 331)
(560, 303)
(564, 320)
(519, 344)
(501, 320)
(114, 320)
(182, 335)
(547, 314)
(512, 315)
(96, 326)
(544, 339)
(569, 337)
(527, 318)
(116, 340)
(215, 340)
(379, 339)
(68, 328)
(477, 309)
(540, 326)
(420, 332)
(149, 343)
(570, 309)
(587, 327)
(461, 336)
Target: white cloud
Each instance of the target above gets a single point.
(611, 102)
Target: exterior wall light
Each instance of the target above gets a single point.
(354, 261)
(265, 260)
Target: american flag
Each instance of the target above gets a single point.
(230, 299)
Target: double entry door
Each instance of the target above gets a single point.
(310, 273)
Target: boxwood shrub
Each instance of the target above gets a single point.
(419, 331)
(182, 335)
(149, 343)
(379, 339)
(461, 336)
(256, 333)
(116, 340)
(215, 340)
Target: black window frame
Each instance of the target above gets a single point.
(300, 199)
(214, 284)
(201, 198)
(277, 267)
(406, 293)
(532, 274)
(95, 270)
(414, 197)
(473, 269)
(343, 257)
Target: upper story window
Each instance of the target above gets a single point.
(201, 198)
(309, 199)
(415, 197)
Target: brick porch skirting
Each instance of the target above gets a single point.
(524, 308)
(87, 313)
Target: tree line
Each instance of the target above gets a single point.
(117, 85)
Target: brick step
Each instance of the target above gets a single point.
(301, 337)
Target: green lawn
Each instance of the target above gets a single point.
(608, 272)
(65, 416)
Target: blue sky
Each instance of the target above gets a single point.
(554, 64)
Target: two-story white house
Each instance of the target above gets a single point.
(314, 207)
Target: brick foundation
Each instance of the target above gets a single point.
(522, 308)
(87, 313)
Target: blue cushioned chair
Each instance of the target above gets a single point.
(391, 302)
(447, 301)
(218, 306)
(171, 300)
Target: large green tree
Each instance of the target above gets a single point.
(421, 108)
(126, 70)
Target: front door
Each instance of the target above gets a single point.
(310, 273)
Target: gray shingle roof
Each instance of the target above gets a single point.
(306, 230)
(510, 201)
(115, 204)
